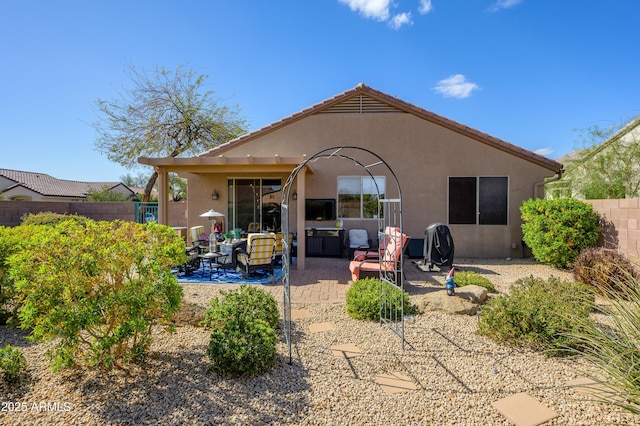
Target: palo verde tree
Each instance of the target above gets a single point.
(606, 166)
(165, 114)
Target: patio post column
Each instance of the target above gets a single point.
(302, 233)
(163, 196)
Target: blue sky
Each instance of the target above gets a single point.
(531, 72)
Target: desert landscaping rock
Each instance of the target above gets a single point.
(454, 375)
(465, 301)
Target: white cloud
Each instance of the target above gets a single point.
(545, 152)
(374, 9)
(379, 10)
(399, 20)
(456, 86)
(425, 7)
(504, 4)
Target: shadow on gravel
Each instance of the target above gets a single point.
(176, 388)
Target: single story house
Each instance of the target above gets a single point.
(32, 186)
(447, 173)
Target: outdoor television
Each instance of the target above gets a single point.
(320, 209)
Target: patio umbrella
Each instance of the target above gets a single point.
(212, 215)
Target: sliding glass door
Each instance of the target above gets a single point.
(254, 204)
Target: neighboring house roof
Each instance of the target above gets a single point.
(49, 186)
(366, 99)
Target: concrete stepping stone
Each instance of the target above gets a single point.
(300, 313)
(347, 351)
(320, 327)
(524, 410)
(395, 382)
(590, 387)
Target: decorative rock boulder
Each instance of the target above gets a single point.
(466, 300)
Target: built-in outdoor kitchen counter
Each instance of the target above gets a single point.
(324, 242)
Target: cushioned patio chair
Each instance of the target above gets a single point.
(394, 244)
(258, 254)
(199, 237)
(358, 239)
(277, 254)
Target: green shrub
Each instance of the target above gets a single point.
(97, 288)
(242, 346)
(51, 219)
(363, 300)
(557, 230)
(12, 363)
(538, 313)
(243, 341)
(604, 269)
(464, 278)
(614, 347)
(246, 301)
(12, 240)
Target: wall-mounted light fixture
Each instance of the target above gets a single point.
(215, 195)
(294, 195)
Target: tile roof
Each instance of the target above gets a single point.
(46, 185)
(401, 106)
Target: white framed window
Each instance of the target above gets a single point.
(358, 196)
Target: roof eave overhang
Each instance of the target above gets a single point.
(223, 163)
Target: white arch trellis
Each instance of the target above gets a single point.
(389, 217)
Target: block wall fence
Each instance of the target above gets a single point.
(12, 211)
(621, 231)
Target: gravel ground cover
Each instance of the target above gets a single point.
(456, 372)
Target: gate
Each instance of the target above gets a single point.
(146, 212)
(389, 218)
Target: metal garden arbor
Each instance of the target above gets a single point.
(389, 217)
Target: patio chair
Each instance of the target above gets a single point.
(258, 254)
(199, 237)
(395, 243)
(375, 253)
(277, 253)
(358, 239)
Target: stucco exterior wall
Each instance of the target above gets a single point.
(423, 155)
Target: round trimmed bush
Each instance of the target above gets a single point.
(246, 301)
(557, 230)
(243, 346)
(363, 300)
(464, 278)
(243, 340)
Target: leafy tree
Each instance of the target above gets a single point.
(605, 167)
(138, 181)
(166, 114)
(177, 187)
(106, 195)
